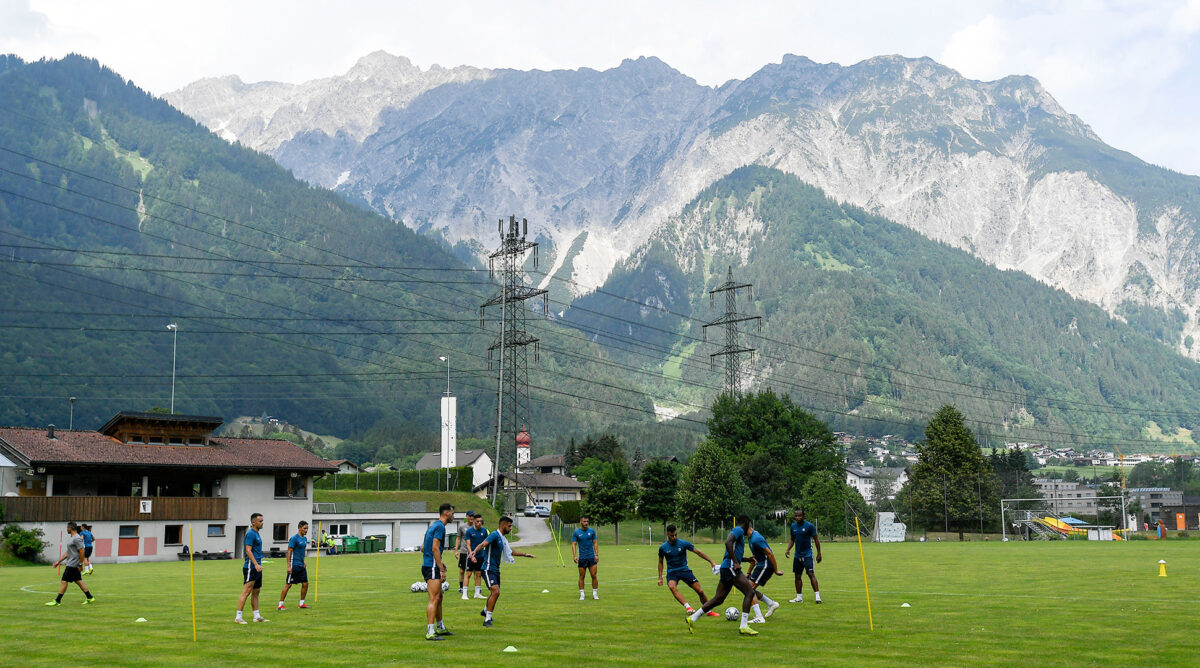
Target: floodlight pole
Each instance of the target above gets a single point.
(174, 342)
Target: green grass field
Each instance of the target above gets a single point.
(973, 603)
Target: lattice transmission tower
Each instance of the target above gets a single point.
(513, 342)
(732, 350)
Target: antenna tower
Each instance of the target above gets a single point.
(732, 348)
(512, 394)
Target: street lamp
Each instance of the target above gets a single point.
(72, 423)
(447, 361)
(174, 341)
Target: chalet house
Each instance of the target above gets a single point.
(344, 466)
(545, 464)
(144, 479)
(536, 488)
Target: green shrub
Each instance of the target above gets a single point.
(461, 479)
(567, 511)
(25, 544)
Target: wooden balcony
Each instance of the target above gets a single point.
(112, 508)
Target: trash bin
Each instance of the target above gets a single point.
(378, 543)
(350, 543)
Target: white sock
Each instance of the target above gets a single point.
(765, 599)
(429, 629)
(696, 615)
(685, 605)
(487, 615)
(816, 595)
(757, 611)
(281, 603)
(477, 590)
(581, 594)
(257, 614)
(595, 592)
(239, 615)
(301, 601)
(745, 620)
(441, 625)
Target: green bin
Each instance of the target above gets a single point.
(378, 543)
(367, 544)
(350, 543)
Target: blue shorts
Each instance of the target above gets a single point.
(249, 574)
(432, 573)
(587, 563)
(728, 575)
(802, 564)
(761, 573)
(685, 576)
(299, 575)
(491, 578)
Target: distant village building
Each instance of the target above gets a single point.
(863, 478)
(1152, 501)
(479, 461)
(545, 464)
(144, 477)
(1067, 497)
(345, 466)
(536, 488)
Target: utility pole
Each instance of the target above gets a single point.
(513, 341)
(732, 348)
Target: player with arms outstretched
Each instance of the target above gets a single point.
(674, 552)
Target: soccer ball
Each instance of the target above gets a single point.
(415, 588)
(445, 586)
(733, 614)
(423, 586)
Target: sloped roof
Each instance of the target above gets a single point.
(540, 481)
(201, 421)
(90, 448)
(339, 462)
(433, 460)
(545, 460)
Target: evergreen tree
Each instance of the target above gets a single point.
(660, 479)
(711, 490)
(611, 496)
(951, 484)
(827, 501)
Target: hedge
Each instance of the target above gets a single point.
(567, 511)
(461, 479)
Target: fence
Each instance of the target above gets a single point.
(433, 480)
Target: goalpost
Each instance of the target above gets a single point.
(1048, 505)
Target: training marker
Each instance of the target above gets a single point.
(140, 619)
(510, 648)
(192, 570)
(870, 617)
(1162, 568)
(905, 605)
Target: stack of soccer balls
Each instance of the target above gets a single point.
(733, 614)
(418, 587)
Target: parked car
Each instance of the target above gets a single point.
(537, 511)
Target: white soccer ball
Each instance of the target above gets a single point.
(415, 588)
(445, 586)
(424, 586)
(733, 614)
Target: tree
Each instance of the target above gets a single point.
(883, 485)
(659, 482)
(1071, 475)
(951, 484)
(775, 444)
(589, 469)
(606, 448)
(825, 497)
(611, 496)
(711, 490)
(637, 463)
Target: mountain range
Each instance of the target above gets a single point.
(600, 160)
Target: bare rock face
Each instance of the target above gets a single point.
(600, 160)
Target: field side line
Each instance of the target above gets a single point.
(1034, 596)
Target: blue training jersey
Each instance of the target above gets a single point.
(586, 541)
(739, 547)
(87, 537)
(436, 530)
(298, 544)
(474, 537)
(675, 555)
(255, 543)
(802, 534)
(759, 546)
(494, 552)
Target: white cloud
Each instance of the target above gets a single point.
(19, 23)
(978, 50)
(1187, 18)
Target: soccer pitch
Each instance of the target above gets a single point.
(1060, 603)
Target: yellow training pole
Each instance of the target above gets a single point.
(870, 618)
(317, 576)
(192, 567)
(554, 535)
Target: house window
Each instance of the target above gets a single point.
(174, 535)
(279, 533)
(176, 440)
(337, 530)
(137, 439)
(128, 531)
(195, 440)
(287, 487)
(155, 440)
(216, 530)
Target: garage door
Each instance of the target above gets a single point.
(379, 529)
(411, 535)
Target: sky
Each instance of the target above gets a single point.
(1128, 68)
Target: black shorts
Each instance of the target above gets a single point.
(587, 563)
(802, 564)
(477, 565)
(728, 575)
(87, 552)
(761, 573)
(431, 573)
(684, 576)
(491, 578)
(250, 574)
(71, 574)
(462, 562)
(299, 575)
